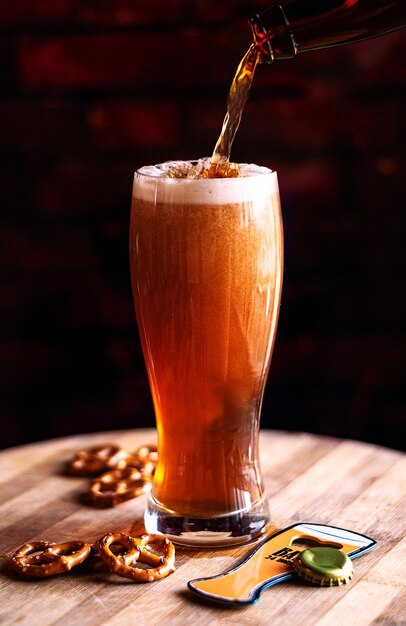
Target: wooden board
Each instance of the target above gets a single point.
(308, 478)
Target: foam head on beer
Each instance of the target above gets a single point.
(190, 182)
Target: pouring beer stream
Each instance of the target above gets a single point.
(237, 98)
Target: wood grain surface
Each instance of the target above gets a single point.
(308, 478)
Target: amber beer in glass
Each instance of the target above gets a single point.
(206, 265)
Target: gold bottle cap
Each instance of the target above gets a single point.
(326, 567)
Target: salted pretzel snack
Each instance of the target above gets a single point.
(147, 454)
(97, 459)
(167, 565)
(137, 551)
(143, 463)
(42, 559)
(119, 485)
(95, 563)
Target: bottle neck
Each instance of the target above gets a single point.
(272, 33)
(282, 32)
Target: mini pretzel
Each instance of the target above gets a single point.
(147, 454)
(49, 558)
(143, 464)
(95, 563)
(118, 485)
(98, 459)
(137, 551)
(167, 559)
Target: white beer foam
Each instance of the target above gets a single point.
(155, 183)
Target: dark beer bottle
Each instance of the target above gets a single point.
(282, 32)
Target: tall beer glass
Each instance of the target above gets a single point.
(206, 264)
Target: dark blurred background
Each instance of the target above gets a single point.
(92, 89)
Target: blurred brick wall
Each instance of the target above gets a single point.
(89, 91)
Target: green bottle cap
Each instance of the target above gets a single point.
(326, 567)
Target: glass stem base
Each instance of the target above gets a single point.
(231, 529)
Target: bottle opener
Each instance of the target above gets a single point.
(271, 562)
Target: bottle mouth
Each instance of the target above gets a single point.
(271, 32)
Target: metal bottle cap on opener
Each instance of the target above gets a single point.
(326, 567)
